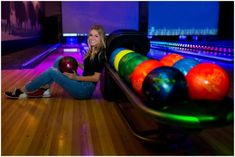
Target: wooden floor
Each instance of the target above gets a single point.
(62, 125)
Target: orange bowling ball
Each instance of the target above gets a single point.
(141, 71)
(171, 59)
(207, 81)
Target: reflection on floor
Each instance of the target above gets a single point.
(62, 125)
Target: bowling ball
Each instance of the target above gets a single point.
(125, 59)
(171, 59)
(127, 68)
(113, 55)
(164, 85)
(119, 57)
(68, 64)
(185, 64)
(141, 71)
(207, 81)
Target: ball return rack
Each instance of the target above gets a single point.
(174, 121)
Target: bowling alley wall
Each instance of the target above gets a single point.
(153, 17)
(45, 22)
(26, 24)
(20, 21)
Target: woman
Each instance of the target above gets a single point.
(80, 87)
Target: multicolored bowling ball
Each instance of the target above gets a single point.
(185, 64)
(68, 64)
(119, 57)
(113, 55)
(207, 81)
(171, 59)
(164, 85)
(127, 68)
(141, 71)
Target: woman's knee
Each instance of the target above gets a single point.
(56, 63)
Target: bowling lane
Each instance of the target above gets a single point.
(225, 61)
(227, 64)
(61, 51)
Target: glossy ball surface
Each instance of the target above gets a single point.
(141, 71)
(119, 56)
(113, 55)
(68, 64)
(185, 64)
(127, 68)
(207, 81)
(171, 59)
(164, 84)
(124, 61)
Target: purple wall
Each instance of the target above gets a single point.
(77, 17)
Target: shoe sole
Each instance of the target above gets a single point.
(11, 97)
(27, 97)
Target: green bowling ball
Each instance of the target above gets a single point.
(127, 68)
(119, 56)
(125, 60)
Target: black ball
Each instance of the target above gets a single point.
(164, 85)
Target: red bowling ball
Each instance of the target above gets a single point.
(141, 71)
(68, 64)
(171, 59)
(207, 81)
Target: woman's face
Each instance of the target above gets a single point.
(94, 38)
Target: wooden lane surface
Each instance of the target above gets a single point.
(62, 125)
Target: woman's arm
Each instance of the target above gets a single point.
(80, 65)
(91, 78)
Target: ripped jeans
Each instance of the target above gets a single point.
(77, 89)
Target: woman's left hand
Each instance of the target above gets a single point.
(72, 76)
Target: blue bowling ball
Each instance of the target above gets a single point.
(164, 85)
(113, 55)
(185, 64)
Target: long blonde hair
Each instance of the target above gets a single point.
(101, 47)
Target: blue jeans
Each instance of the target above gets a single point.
(77, 89)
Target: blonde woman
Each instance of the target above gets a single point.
(80, 87)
